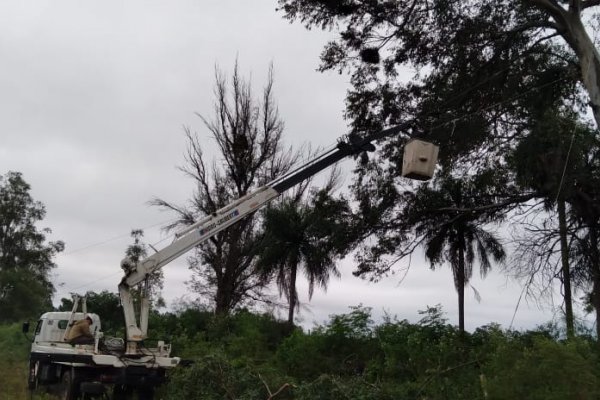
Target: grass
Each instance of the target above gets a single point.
(14, 347)
(14, 354)
(13, 380)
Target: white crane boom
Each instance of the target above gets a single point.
(211, 225)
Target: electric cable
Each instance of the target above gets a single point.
(87, 247)
(92, 245)
(93, 282)
(562, 177)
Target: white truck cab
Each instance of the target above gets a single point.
(52, 326)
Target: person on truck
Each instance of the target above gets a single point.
(80, 332)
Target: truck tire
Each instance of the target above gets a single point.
(32, 379)
(146, 394)
(67, 388)
(121, 392)
(92, 390)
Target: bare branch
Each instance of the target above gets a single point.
(272, 395)
(589, 3)
(537, 24)
(553, 8)
(487, 207)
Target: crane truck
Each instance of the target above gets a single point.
(128, 365)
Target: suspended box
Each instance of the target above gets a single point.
(419, 159)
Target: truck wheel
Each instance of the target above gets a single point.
(121, 392)
(146, 394)
(67, 389)
(32, 380)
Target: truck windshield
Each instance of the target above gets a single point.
(38, 328)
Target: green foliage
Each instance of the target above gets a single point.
(295, 352)
(214, 377)
(304, 235)
(241, 335)
(327, 387)
(25, 256)
(249, 356)
(431, 360)
(344, 346)
(356, 325)
(254, 337)
(547, 370)
(14, 350)
(14, 344)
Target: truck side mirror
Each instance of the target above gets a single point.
(25, 327)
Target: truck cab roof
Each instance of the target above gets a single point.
(66, 315)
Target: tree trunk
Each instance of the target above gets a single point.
(221, 303)
(566, 273)
(589, 59)
(292, 294)
(224, 295)
(460, 287)
(595, 298)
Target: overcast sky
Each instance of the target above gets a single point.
(93, 99)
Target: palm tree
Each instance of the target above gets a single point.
(457, 237)
(303, 236)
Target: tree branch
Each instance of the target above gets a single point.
(511, 201)
(536, 24)
(589, 3)
(272, 395)
(552, 7)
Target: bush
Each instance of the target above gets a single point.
(328, 387)
(345, 346)
(303, 356)
(546, 370)
(248, 356)
(14, 353)
(213, 377)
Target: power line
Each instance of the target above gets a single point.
(93, 282)
(103, 242)
(562, 178)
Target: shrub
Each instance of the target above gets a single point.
(213, 377)
(547, 370)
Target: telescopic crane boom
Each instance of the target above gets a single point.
(212, 224)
